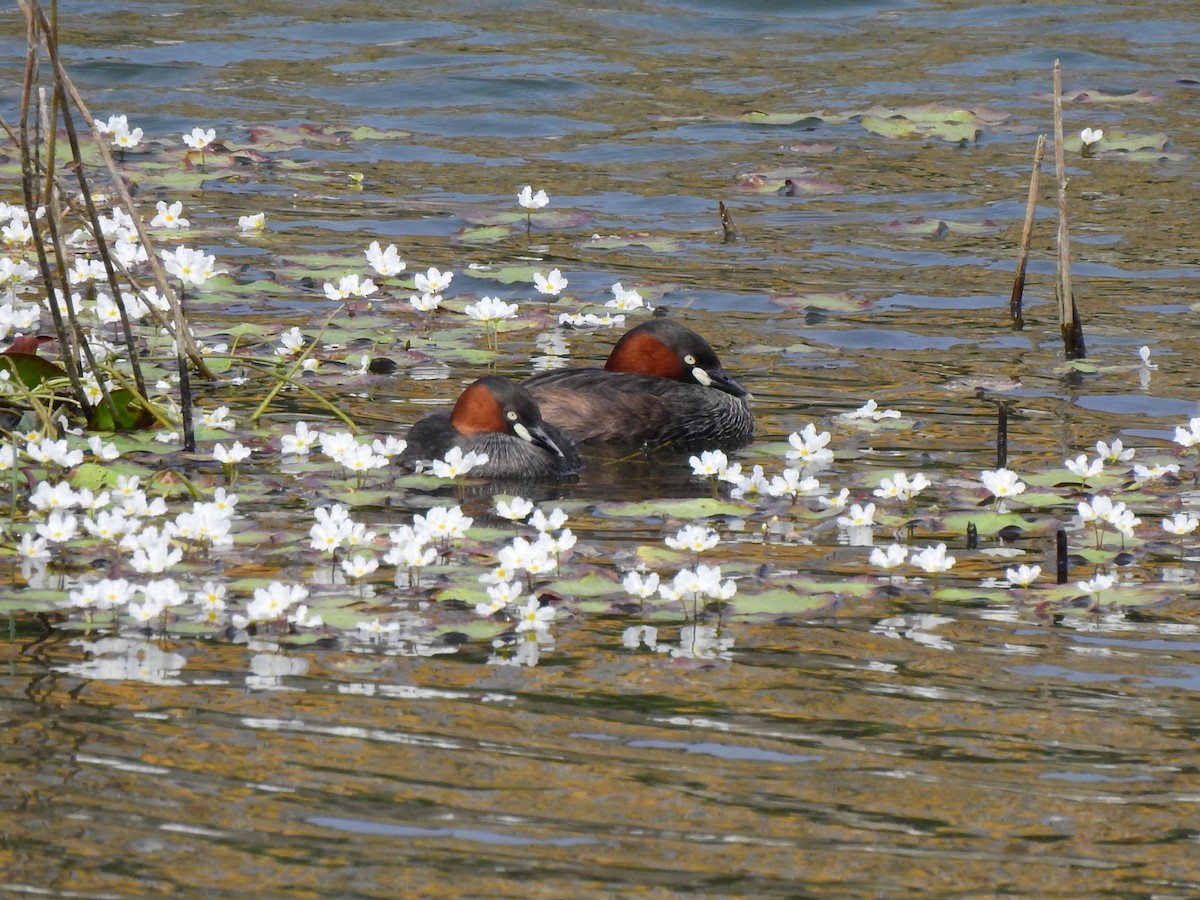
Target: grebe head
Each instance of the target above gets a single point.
(666, 349)
(495, 404)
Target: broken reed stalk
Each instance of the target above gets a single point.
(728, 229)
(1018, 291)
(41, 31)
(1068, 314)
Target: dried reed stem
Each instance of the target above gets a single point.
(1018, 291)
(1072, 331)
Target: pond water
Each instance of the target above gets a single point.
(876, 737)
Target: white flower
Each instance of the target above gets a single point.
(531, 201)
(1091, 136)
(624, 298)
(889, 557)
(1023, 576)
(1097, 584)
(190, 266)
(901, 487)
(551, 284)
(235, 454)
(456, 463)
(870, 410)
(199, 138)
(1189, 436)
(932, 559)
(710, 463)
(491, 309)
(1001, 483)
(642, 586)
(858, 517)
(385, 262)
(808, 447)
(535, 617)
(693, 538)
(515, 510)
(1181, 524)
(169, 215)
(1114, 452)
(252, 223)
(433, 281)
(1084, 469)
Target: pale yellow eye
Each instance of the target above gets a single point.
(690, 360)
(512, 415)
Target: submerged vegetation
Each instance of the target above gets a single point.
(138, 512)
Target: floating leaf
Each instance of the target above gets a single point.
(657, 243)
(923, 226)
(486, 234)
(129, 416)
(543, 218)
(1096, 95)
(842, 302)
(32, 369)
(697, 508)
(788, 183)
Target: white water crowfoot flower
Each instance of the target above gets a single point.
(1114, 452)
(199, 139)
(490, 311)
(1094, 586)
(1154, 473)
(359, 567)
(349, 286)
(837, 502)
(694, 539)
(271, 604)
(218, 418)
(808, 448)
(902, 488)
(531, 202)
(870, 410)
(515, 510)
(625, 299)
(889, 557)
(551, 285)
(535, 617)
(456, 463)
(1181, 524)
(169, 216)
(191, 267)
(230, 457)
(1190, 436)
(386, 263)
(1022, 576)
(1090, 136)
(252, 223)
(641, 586)
(433, 281)
(301, 442)
(1080, 467)
(1144, 353)
(932, 560)
(1001, 484)
(858, 517)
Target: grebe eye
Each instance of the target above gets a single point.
(690, 360)
(511, 415)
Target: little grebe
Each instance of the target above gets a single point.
(662, 384)
(497, 417)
